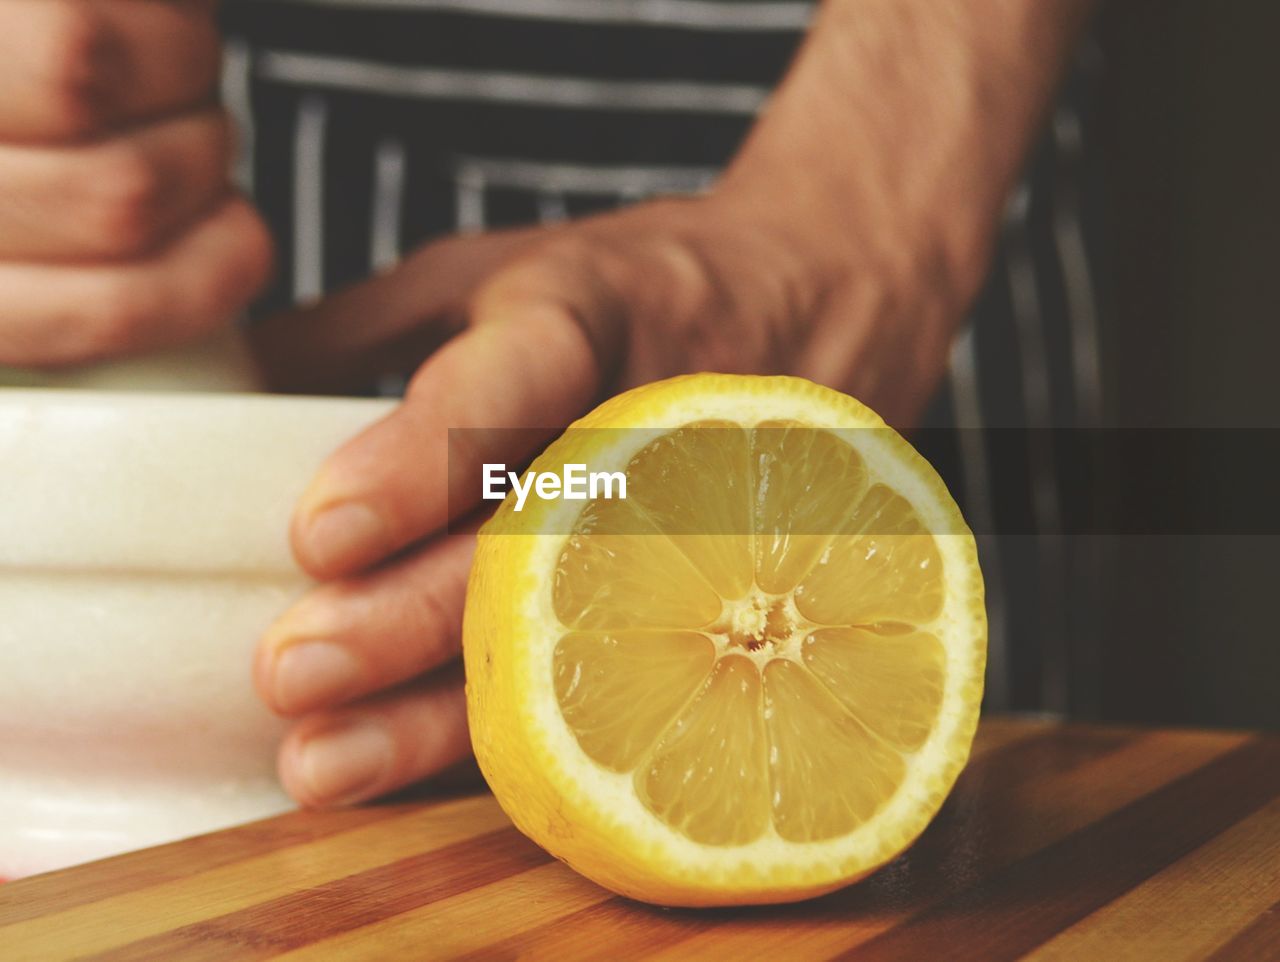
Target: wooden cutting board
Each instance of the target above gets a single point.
(1059, 842)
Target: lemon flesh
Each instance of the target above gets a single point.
(752, 680)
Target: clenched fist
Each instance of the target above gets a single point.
(119, 230)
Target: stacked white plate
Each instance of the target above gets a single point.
(143, 550)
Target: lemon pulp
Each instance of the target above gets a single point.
(774, 676)
(754, 680)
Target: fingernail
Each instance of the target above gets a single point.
(345, 764)
(311, 674)
(344, 536)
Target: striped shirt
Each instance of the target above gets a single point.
(372, 126)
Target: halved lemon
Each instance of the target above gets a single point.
(754, 679)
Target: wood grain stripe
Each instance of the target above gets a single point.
(132, 915)
(1032, 900)
(1000, 730)
(1024, 801)
(1260, 941)
(266, 929)
(983, 792)
(41, 895)
(643, 929)
(1064, 841)
(466, 923)
(1238, 873)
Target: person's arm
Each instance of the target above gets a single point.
(910, 120)
(844, 244)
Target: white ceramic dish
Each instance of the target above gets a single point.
(143, 549)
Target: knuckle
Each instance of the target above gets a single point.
(572, 255)
(249, 264)
(541, 276)
(230, 277)
(438, 634)
(122, 311)
(216, 135)
(128, 190)
(76, 43)
(259, 248)
(688, 274)
(510, 285)
(575, 290)
(419, 386)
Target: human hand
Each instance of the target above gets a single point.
(847, 259)
(541, 325)
(119, 231)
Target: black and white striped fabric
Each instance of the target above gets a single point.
(372, 126)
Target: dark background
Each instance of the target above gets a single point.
(1189, 118)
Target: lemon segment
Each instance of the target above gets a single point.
(708, 777)
(884, 566)
(892, 683)
(829, 773)
(806, 482)
(710, 524)
(639, 579)
(619, 692)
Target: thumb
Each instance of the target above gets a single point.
(541, 335)
(566, 277)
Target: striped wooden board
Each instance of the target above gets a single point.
(1059, 842)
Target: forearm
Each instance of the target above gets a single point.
(911, 118)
